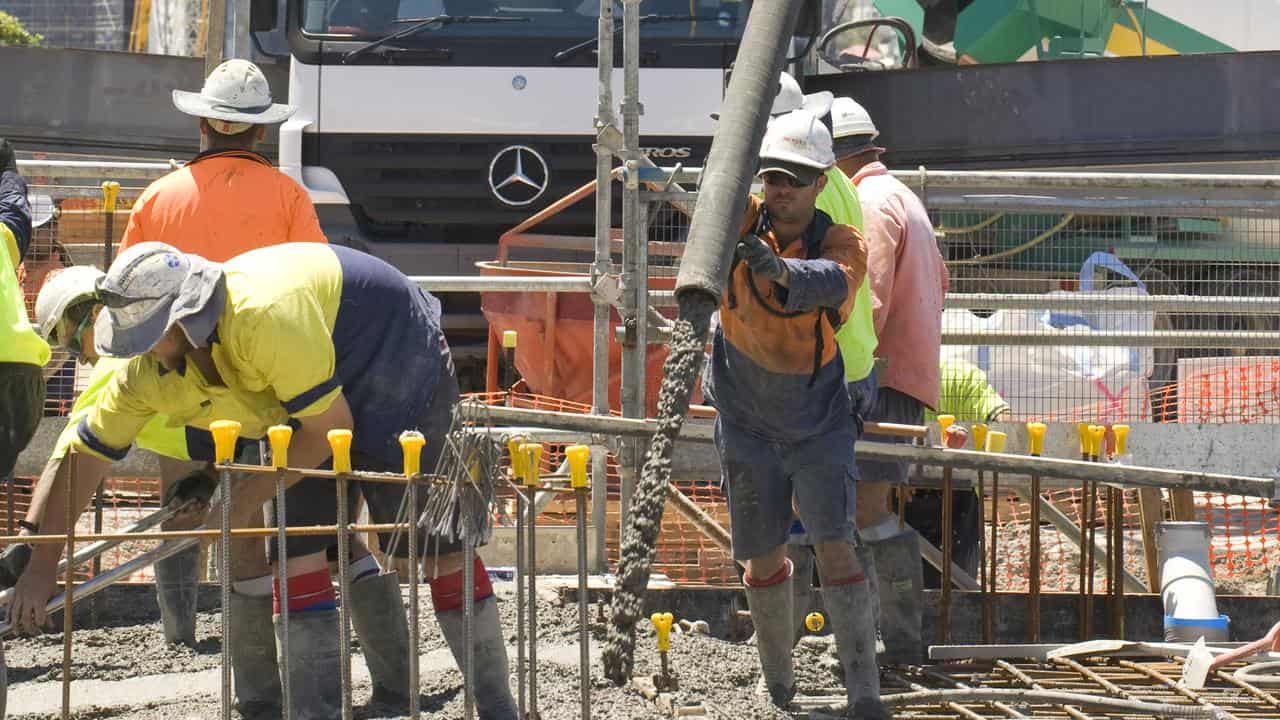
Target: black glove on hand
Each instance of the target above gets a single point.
(191, 493)
(13, 561)
(761, 258)
(8, 160)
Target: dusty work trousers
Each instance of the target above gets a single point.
(21, 407)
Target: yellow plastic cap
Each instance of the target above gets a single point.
(662, 623)
(532, 463)
(225, 433)
(1122, 437)
(1082, 430)
(1035, 437)
(996, 441)
(279, 435)
(979, 432)
(340, 444)
(514, 446)
(509, 338)
(945, 421)
(411, 444)
(1096, 433)
(577, 456)
(110, 191)
(814, 622)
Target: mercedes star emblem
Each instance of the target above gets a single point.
(518, 175)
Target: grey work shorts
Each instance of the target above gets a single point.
(763, 477)
(891, 406)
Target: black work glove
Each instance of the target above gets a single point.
(761, 258)
(190, 495)
(13, 561)
(8, 160)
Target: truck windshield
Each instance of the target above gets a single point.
(572, 20)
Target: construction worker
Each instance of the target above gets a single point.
(908, 279)
(22, 352)
(784, 429)
(320, 337)
(228, 199)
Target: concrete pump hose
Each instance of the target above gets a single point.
(730, 166)
(1262, 674)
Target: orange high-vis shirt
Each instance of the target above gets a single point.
(222, 204)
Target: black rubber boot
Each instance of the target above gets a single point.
(492, 689)
(315, 692)
(377, 614)
(253, 657)
(177, 588)
(13, 560)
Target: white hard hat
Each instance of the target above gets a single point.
(791, 97)
(850, 118)
(147, 290)
(237, 95)
(797, 144)
(64, 289)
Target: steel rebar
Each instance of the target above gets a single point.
(282, 575)
(224, 585)
(344, 607)
(947, 541)
(584, 633)
(414, 683)
(531, 573)
(521, 569)
(468, 629)
(68, 612)
(1034, 569)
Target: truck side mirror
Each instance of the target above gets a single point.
(262, 15)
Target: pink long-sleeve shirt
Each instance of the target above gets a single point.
(908, 280)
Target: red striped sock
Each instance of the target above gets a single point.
(309, 591)
(446, 590)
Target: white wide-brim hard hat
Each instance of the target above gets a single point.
(147, 290)
(237, 92)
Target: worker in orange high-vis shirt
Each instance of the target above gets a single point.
(228, 199)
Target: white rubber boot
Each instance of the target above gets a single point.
(377, 614)
(850, 608)
(492, 689)
(901, 591)
(253, 657)
(773, 615)
(315, 692)
(177, 585)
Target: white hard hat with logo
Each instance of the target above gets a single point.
(235, 96)
(790, 97)
(852, 127)
(64, 289)
(797, 144)
(850, 118)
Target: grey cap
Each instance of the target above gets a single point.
(150, 288)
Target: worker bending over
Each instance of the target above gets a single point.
(784, 429)
(318, 337)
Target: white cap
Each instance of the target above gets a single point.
(790, 97)
(235, 96)
(64, 289)
(850, 118)
(795, 141)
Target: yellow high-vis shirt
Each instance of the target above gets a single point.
(19, 342)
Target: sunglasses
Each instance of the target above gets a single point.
(72, 341)
(785, 180)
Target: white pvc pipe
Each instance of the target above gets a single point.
(1186, 578)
